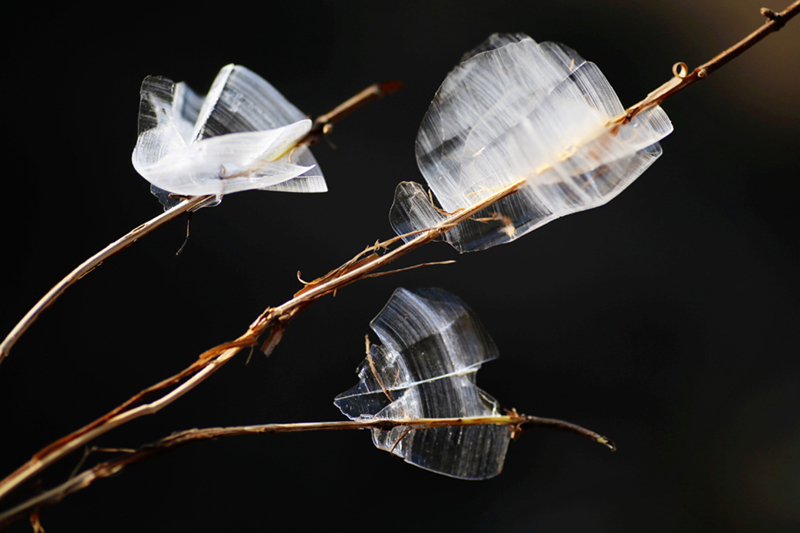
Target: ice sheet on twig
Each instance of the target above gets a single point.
(432, 347)
(517, 109)
(241, 136)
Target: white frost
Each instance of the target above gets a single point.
(433, 345)
(241, 136)
(516, 109)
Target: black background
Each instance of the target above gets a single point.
(667, 320)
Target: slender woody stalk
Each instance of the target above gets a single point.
(322, 125)
(90, 264)
(682, 79)
(517, 422)
(277, 319)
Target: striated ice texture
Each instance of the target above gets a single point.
(241, 136)
(516, 109)
(432, 347)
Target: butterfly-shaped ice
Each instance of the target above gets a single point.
(243, 135)
(432, 347)
(517, 109)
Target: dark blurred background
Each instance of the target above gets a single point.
(666, 320)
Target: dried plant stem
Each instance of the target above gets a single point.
(322, 125)
(92, 263)
(560, 425)
(277, 319)
(683, 79)
(105, 469)
(122, 414)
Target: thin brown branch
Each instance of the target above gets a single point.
(412, 267)
(560, 425)
(277, 319)
(321, 125)
(114, 466)
(682, 79)
(90, 264)
(206, 364)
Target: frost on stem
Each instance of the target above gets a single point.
(432, 347)
(517, 109)
(243, 135)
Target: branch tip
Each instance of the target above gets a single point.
(388, 87)
(608, 443)
(560, 425)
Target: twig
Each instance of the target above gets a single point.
(682, 78)
(412, 267)
(560, 425)
(322, 125)
(108, 468)
(206, 365)
(277, 319)
(90, 264)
